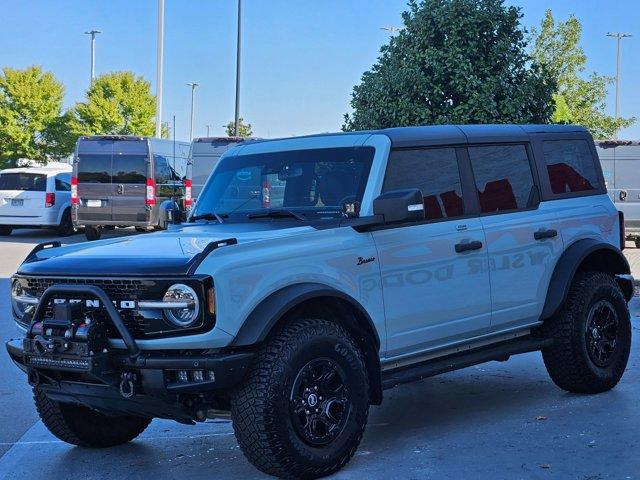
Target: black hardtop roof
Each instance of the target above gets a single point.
(451, 134)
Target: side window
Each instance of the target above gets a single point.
(62, 184)
(435, 172)
(503, 177)
(170, 170)
(570, 166)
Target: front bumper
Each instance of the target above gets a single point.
(71, 362)
(97, 380)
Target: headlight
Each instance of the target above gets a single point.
(187, 306)
(21, 302)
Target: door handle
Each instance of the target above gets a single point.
(466, 246)
(542, 234)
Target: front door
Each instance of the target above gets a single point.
(434, 277)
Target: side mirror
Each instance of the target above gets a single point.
(397, 206)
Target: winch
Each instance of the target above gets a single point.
(68, 339)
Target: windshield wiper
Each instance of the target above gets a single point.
(209, 216)
(277, 213)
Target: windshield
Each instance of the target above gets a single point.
(23, 181)
(315, 183)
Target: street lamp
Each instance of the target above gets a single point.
(193, 86)
(618, 36)
(159, 68)
(208, 127)
(238, 45)
(93, 34)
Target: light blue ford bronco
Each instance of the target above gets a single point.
(315, 272)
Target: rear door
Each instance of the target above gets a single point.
(130, 169)
(93, 171)
(22, 194)
(523, 235)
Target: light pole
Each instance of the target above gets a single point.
(159, 67)
(93, 34)
(193, 86)
(238, 48)
(208, 126)
(618, 36)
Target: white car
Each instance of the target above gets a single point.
(34, 197)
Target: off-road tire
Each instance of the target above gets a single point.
(260, 407)
(79, 425)
(5, 230)
(66, 227)
(92, 233)
(567, 360)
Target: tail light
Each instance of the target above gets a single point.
(623, 235)
(151, 192)
(49, 200)
(187, 193)
(74, 190)
(266, 195)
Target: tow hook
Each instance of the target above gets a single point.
(127, 388)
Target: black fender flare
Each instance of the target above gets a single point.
(266, 315)
(269, 311)
(568, 265)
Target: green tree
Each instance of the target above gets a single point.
(244, 129)
(455, 61)
(117, 103)
(577, 100)
(31, 121)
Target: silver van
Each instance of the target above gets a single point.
(124, 181)
(620, 162)
(205, 153)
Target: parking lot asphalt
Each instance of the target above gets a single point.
(494, 421)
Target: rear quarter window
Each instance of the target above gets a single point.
(570, 166)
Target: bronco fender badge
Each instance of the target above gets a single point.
(362, 260)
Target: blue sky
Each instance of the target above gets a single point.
(301, 58)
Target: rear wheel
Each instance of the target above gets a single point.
(637, 242)
(302, 410)
(85, 427)
(5, 230)
(92, 233)
(66, 227)
(592, 336)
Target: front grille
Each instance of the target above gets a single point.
(116, 289)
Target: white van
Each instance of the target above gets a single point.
(35, 197)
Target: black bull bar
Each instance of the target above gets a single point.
(98, 293)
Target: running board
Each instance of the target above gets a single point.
(498, 351)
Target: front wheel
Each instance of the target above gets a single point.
(591, 336)
(302, 409)
(79, 425)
